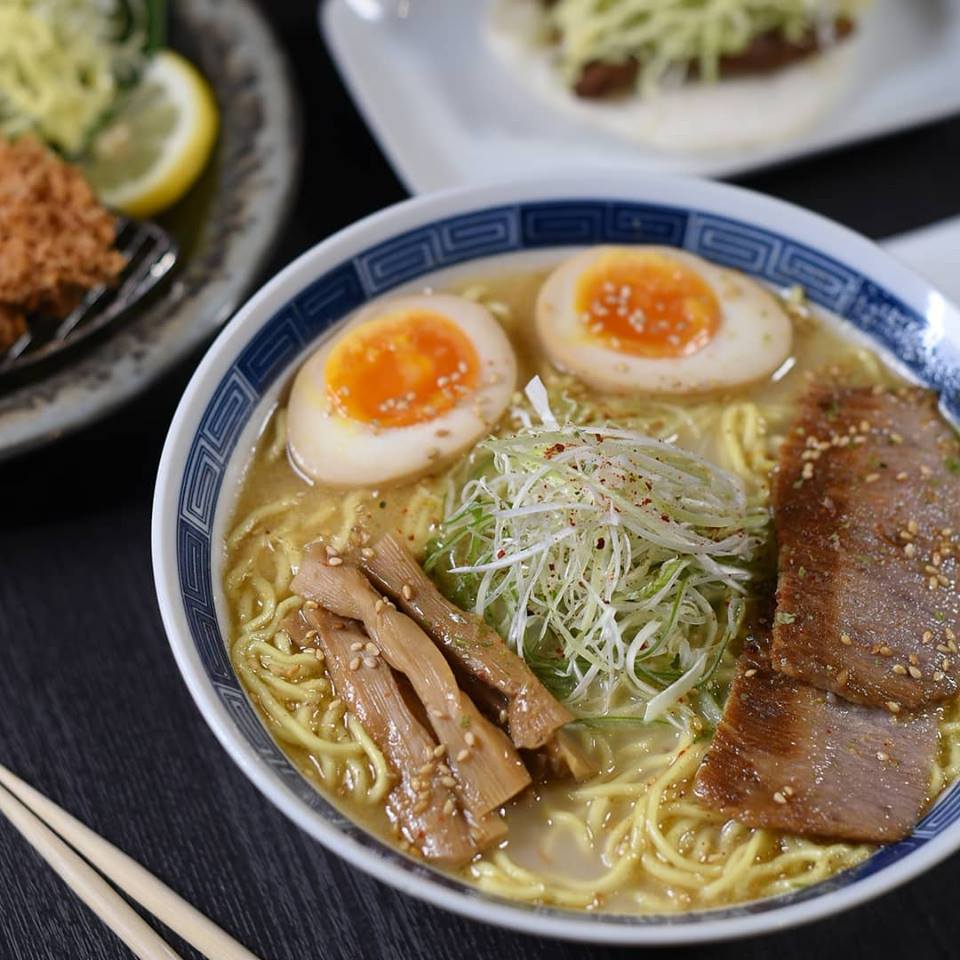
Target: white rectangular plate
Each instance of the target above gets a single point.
(447, 113)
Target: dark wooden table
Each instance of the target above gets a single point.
(92, 708)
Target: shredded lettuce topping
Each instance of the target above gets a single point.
(63, 63)
(614, 562)
(661, 34)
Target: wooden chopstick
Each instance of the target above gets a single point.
(86, 883)
(137, 882)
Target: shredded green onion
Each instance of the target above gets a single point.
(614, 562)
(63, 63)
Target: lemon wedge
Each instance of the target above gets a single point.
(158, 142)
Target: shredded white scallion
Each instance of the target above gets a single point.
(613, 561)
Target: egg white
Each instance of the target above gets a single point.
(753, 339)
(333, 449)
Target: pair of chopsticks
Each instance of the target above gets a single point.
(67, 846)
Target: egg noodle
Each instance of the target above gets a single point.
(661, 34)
(641, 840)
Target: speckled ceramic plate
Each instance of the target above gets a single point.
(226, 226)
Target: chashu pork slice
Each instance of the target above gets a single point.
(791, 757)
(487, 768)
(867, 513)
(424, 807)
(533, 715)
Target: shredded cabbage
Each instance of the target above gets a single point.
(661, 34)
(62, 63)
(614, 562)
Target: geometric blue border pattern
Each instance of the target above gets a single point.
(416, 254)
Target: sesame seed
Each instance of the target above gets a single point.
(932, 583)
(355, 663)
(318, 653)
(937, 675)
(904, 535)
(335, 704)
(750, 673)
(845, 639)
(807, 471)
(420, 806)
(871, 478)
(334, 561)
(426, 769)
(899, 668)
(925, 471)
(368, 553)
(407, 591)
(864, 426)
(787, 791)
(892, 706)
(379, 606)
(372, 649)
(462, 755)
(369, 662)
(311, 605)
(448, 782)
(902, 475)
(912, 526)
(942, 648)
(778, 797)
(504, 716)
(914, 659)
(914, 672)
(439, 751)
(470, 737)
(449, 806)
(927, 636)
(950, 634)
(885, 651)
(355, 647)
(910, 550)
(331, 550)
(883, 757)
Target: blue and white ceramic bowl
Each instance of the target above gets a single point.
(431, 241)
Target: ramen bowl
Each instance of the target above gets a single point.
(432, 241)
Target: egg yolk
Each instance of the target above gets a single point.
(401, 368)
(648, 305)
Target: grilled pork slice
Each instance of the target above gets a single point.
(867, 511)
(765, 53)
(533, 715)
(487, 768)
(425, 809)
(791, 757)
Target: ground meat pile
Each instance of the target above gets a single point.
(56, 240)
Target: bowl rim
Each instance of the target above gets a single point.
(688, 194)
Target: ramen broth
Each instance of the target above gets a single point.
(633, 838)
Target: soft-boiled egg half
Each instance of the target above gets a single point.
(659, 320)
(408, 384)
